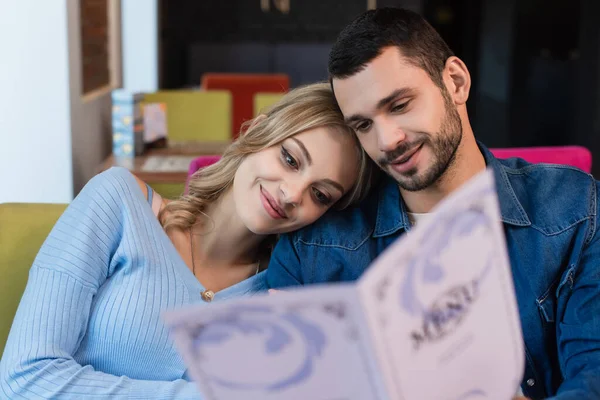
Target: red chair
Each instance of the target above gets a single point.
(243, 87)
(575, 156)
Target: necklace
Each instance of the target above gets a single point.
(209, 295)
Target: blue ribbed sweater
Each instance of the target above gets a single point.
(89, 323)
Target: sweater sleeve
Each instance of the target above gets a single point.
(51, 321)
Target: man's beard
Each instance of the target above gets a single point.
(443, 146)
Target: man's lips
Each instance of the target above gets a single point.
(406, 156)
(407, 162)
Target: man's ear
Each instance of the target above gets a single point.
(457, 79)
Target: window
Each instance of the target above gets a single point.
(100, 44)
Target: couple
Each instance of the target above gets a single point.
(89, 320)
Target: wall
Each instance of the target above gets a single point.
(35, 127)
(494, 72)
(586, 127)
(140, 45)
(238, 36)
(53, 138)
(90, 114)
(134, 67)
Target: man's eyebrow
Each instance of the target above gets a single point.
(304, 151)
(392, 96)
(381, 103)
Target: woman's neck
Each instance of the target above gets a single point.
(221, 238)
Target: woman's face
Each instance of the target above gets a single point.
(290, 185)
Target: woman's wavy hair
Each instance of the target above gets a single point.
(301, 109)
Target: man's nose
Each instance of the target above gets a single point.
(389, 135)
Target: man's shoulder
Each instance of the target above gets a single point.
(539, 179)
(553, 196)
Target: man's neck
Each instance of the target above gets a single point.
(468, 162)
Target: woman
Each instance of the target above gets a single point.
(89, 321)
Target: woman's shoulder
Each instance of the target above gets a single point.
(89, 232)
(114, 188)
(117, 180)
(126, 188)
(113, 174)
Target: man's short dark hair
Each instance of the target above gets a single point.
(373, 31)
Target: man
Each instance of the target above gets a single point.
(404, 92)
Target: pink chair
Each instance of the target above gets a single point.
(575, 156)
(197, 163)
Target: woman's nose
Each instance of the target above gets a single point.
(291, 193)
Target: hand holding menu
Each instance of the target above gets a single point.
(434, 317)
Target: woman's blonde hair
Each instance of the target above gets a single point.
(301, 109)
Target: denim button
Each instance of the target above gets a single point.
(530, 382)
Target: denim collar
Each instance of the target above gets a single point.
(511, 210)
(392, 214)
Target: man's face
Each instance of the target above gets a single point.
(403, 120)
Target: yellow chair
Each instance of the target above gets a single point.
(195, 115)
(168, 190)
(23, 229)
(262, 101)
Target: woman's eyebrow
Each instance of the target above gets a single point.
(333, 183)
(304, 151)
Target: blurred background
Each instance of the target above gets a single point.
(65, 64)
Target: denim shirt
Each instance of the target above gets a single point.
(550, 219)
